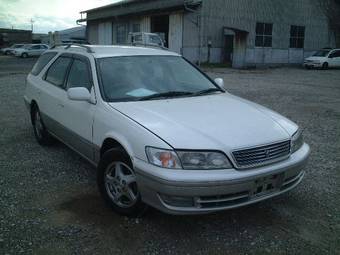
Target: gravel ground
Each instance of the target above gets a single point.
(49, 202)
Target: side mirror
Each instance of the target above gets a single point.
(331, 56)
(79, 94)
(219, 82)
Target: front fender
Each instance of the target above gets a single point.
(133, 137)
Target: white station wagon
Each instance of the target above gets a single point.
(161, 132)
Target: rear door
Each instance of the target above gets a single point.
(52, 93)
(77, 116)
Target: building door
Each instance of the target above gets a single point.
(228, 49)
(160, 26)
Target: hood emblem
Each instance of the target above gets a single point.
(267, 153)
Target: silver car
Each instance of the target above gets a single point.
(30, 50)
(160, 132)
(10, 50)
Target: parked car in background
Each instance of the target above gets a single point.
(10, 50)
(145, 39)
(31, 50)
(160, 131)
(325, 58)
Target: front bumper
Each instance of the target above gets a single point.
(312, 64)
(196, 192)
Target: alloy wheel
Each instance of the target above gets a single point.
(120, 184)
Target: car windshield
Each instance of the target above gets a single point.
(135, 78)
(321, 53)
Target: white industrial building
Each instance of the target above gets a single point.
(240, 32)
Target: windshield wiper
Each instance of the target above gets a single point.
(166, 95)
(208, 91)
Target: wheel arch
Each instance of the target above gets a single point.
(111, 143)
(33, 106)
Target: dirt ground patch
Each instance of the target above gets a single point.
(49, 202)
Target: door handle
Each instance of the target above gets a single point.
(61, 105)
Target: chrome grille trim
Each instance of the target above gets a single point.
(261, 155)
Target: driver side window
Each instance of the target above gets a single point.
(79, 75)
(335, 54)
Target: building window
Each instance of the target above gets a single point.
(136, 28)
(297, 37)
(264, 35)
(121, 34)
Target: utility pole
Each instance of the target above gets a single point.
(32, 22)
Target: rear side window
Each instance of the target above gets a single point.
(79, 75)
(57, 72)
(42, 62)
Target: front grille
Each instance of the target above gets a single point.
(261, 155)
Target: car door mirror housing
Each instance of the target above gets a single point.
(220, 82)
(79, 94)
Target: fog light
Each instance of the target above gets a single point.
(177, 201)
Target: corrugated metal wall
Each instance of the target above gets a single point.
(105, 33)
(145, 24)
(176, 32)
(243, 14)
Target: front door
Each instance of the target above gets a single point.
(35, 50)
(228, 49)
(334, 59)
(78, 115)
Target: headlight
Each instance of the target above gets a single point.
(190, 160)
(163, 158)
(297, 141)
(196, 160)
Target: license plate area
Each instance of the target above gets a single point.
(267, 185)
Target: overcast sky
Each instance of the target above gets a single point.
(48, 15)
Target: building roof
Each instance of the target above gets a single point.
(73, 30)
(132, 7)
(120, 3)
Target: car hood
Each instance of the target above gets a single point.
(222, 122)
(315, 58)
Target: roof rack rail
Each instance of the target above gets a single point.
(69, 45)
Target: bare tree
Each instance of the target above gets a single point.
(331, 8)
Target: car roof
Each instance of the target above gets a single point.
(104, 51)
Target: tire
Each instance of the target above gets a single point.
(40, 132)
(6, 53)
(24, 55)
(325, 66)
(117, 184)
